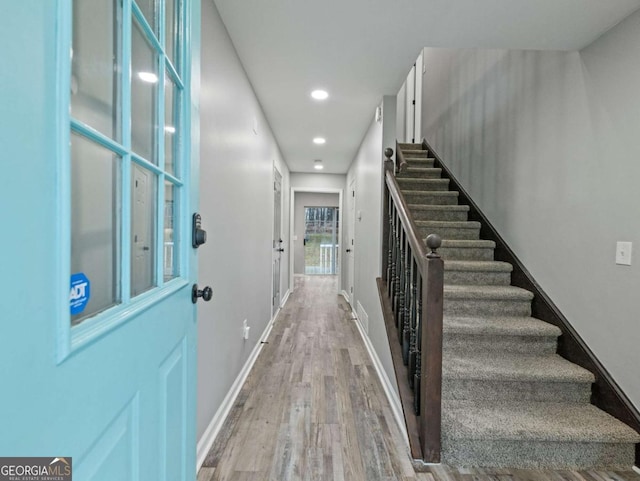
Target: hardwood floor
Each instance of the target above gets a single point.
(313, 409)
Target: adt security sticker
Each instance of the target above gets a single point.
(80, 293)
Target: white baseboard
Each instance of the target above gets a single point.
(285, 298)
(344, 294)
(636, 469)
(387, 385)
(209, 436)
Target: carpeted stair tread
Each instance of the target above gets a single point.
(419, 207)
(486, 293)
(466, 224)
(445, 197)
(438, 185)
(533, 421)
(514, 367)
(478, 266)
(420, 172)
(422, 162)
(409, 146)
(478, 243)
(499, 326)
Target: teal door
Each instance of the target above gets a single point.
(97, 326)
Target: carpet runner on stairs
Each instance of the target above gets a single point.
(508, 400)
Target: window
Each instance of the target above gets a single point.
(126, 110)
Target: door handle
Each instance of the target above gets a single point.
(281, 250)
(206, 293)
(348, 250)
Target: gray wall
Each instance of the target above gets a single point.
(300, 201)
(237, 209)
(366, 169)
(547, 144)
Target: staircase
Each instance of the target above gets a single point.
(508, 400)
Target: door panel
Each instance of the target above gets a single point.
(142, 228)
(350, 250)
(277, 240)
(115, 392)
(410, 106)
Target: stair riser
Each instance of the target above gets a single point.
(486, 307)
(538, 391)
(437, 185)
(424, 163)
(468, 278)
(466, 254)
(404, 146)
(429, 199)
(526, 454)
(426, 174)
(442, 215)
(416, 153)
(452, 233)
(455, 343)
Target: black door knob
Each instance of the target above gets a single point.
(206, 293)
(281, 250)
(348, 250)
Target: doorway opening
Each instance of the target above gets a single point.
(321, 245)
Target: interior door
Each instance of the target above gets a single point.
(351, 240)
(277, 240)
(410, 109)
(419, 76)
(93, 370)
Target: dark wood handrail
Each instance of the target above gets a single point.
(414, 278)
(416, 243)
(400, 160)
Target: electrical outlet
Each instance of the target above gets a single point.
(623, 253)
(245, 330)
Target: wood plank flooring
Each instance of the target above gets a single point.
(313, 409)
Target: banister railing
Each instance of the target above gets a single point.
(414, 278)
(401, 163)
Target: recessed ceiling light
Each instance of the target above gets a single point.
(319, 140)
(317, 164)
(320, 94)
(149, 77)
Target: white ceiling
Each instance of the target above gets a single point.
(360, 50)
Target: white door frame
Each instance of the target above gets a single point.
(276, 303)
(417, 123)
(292, 206)
(351, 257)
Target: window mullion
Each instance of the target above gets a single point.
(160, 122)
(125, 269)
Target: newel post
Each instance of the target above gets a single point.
(431, 356)
(386, 215)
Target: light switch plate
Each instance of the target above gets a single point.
(623, 253)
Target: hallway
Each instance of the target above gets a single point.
(314, 409)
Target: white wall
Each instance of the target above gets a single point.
(547, 144)
(302, 181)
(367, 169)
(310, 199)
(237, 211)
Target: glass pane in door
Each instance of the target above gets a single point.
(321, 240)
